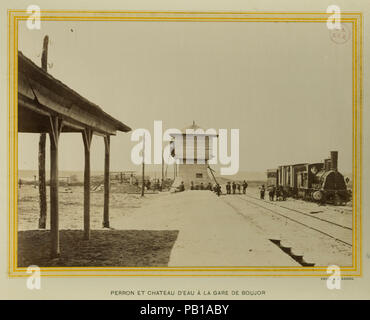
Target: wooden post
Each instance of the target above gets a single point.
(106, 181)
(87, 137)
(56, 127)
(42, 150)
(162, 182)
(143, 170)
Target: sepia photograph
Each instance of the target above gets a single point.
(184, 144)
(184, 154)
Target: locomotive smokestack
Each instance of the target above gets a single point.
(334, 160)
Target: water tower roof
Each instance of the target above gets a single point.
(193, 126)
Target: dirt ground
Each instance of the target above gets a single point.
(129, 248)
(71, 207)
(193, 228)
(107, 247)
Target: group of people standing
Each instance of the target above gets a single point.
(201, 186)
(216, 188)
(231, 188)
(156, 185)
(236, 186)
(277, 193)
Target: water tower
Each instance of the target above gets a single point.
(192, 149)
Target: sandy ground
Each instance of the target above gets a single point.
(192, 228)
(107, 247)
(71, 207)
(211, 233)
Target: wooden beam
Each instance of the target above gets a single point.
(87, 137)
(106, 182)
(55, 128)
(29, 108)
(63, 106)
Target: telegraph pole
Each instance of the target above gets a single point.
(143, 170)
(42, 152)
(162, 182)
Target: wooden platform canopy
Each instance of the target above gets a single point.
(46, 105)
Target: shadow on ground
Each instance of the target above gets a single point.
(113, 248)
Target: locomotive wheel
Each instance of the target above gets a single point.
(317, 195)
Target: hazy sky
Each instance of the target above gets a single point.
(286, 86)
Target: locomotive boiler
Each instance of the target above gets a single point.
(320, 182)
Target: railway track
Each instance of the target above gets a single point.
(329, 228)
(301, 212)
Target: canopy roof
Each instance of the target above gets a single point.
(41, 96)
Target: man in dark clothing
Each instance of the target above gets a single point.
(245, 186)
(228, 188)
(201, 186)
(238, 186)
(161, 185)
(278, 193)
(272, 193)
(284, 194)
(262, 192)
(234, 187)
(218, 188)
(182, 186)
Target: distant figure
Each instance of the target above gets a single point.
(284, 194)
(238, 186)
(209, 186)
(201, 186)
(148, 185)
(182, 186)
(272, 193)
(192, 185)
(228, 188)
(20, 183)
(218, 189)
(278, 193)
(245, 186)
(234, 187)
(262, 192)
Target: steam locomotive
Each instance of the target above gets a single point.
(320, 182)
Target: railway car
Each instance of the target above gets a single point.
(272, 180)
(319, 182)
